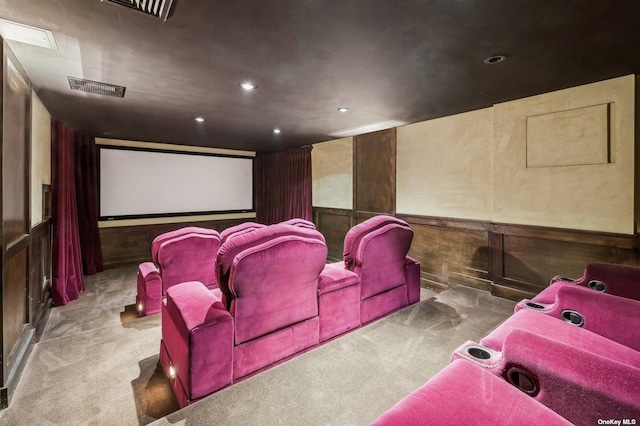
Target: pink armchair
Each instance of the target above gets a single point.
(266, 310)
(186, 254)
(376, 250)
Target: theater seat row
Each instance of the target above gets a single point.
(273, 296)
(570, 355)
(186, 254)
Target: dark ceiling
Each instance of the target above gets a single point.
(387, 61)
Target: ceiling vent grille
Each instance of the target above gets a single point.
(158, 8)
(96, 87)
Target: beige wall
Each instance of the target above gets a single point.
(564, 159)
(444, 166)
(40, 155)
(568, 190)
(332, 171)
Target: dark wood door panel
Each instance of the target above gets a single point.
(14, 156)
(375, 172)
(14, 290)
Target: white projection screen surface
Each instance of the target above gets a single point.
(139, 183)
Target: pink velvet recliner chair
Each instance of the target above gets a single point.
(465, 394)
(376, 250)
(613, 317)
(268, 308)
(611, 278)
(576, 373)
(185, 254)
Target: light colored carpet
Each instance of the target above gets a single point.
(97, 364)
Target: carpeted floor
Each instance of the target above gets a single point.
(97, 364)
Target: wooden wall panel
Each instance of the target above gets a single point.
(14, 315)
(128, 245)
(450, 251)
(375, 172)
(512, 261)
(534, 255)
(334, 225)
(15, 240)
(40, 270)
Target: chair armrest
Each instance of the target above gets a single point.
(197, 331)
(148, 270)
(195, 305)
(332, 279)
(149, 287)
(412, 279)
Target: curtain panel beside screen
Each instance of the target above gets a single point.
(283, 185)
(87, 204)
(68, 281)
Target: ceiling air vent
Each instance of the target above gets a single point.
(158, 8)
(96, 87)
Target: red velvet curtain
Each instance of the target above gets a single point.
(283, 185)
(68, 281)
(87, 204)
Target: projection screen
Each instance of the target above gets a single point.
(138, 183)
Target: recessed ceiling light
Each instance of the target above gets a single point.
(199, 119)
(343, 109)
(276, 131)
(496, 59)
(248, 85)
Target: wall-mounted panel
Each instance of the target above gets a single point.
(576, 137)
(594, 197)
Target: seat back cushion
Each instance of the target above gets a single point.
(621, 280)
(157, 241)
(190, 257)
(300, 222)
(355, 235)
(275, 284)
(232, 246)
(239, 229)
(380, 258)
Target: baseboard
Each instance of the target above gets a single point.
(19, 357)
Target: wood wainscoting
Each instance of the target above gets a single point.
(127, 245)
(334, 225)
(510, 261)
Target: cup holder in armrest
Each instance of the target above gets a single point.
(478, 352)
(535, 305)
(523, 380)
(572, 317)
(598, 286)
